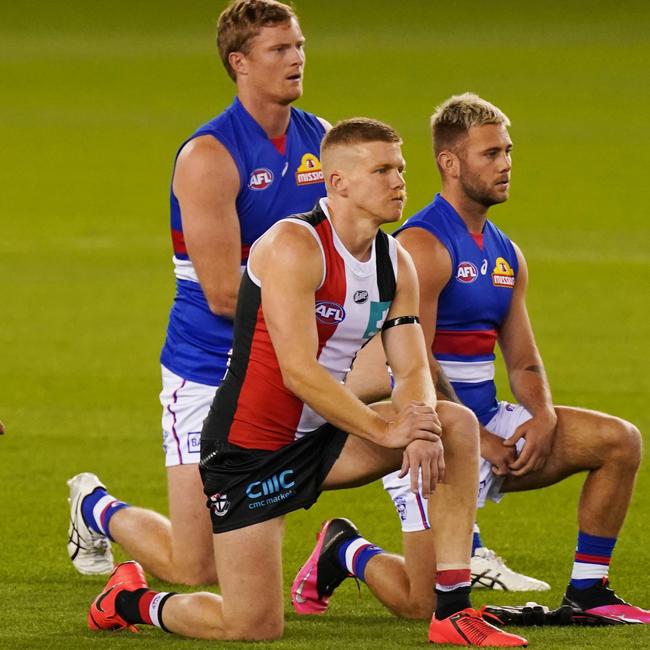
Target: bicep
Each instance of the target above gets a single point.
(206, 183)
(289, 267)
(433, 268)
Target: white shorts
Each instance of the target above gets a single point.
(185, 405)
(412, 508)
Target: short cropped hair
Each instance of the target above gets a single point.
(242, 20)
(358, 130)
(456, 116)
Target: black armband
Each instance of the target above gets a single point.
(400, 320)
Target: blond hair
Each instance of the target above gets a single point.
(358, 130)
(457, 115)
(242, 20)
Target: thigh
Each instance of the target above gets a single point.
(361, 462)
(249, 561)
(579, 445)
(190, 523)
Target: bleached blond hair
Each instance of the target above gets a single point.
(457, 115)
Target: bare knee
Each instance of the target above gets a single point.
(459, 427)
(195, 578)
(624, 443)
(264, 628)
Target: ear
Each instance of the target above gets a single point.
(449, 163)
(338, 183)
(238, 63)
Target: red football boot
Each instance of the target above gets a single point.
(468, 628)
(103, 615)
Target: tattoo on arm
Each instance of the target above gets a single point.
(445, 389)
(535, 368)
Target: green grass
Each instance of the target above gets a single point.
(93, 101)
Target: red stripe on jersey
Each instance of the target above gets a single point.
(468, 342)
(245, 250)
(178, 242)
(267, 413)
(335, 285)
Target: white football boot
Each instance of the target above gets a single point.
(489, 571)
(89, 551)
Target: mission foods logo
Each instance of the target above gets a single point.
(260, 179)
(329, 313)
(309, 170)
(502, 274)
(466, 272)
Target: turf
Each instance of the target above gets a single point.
(93, 101)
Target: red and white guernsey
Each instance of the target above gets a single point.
(252, 407)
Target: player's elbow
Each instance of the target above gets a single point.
(222, 304)
(294, 376)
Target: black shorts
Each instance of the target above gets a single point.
(248, 486)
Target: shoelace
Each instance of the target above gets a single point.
(491, 555)
(473, 623)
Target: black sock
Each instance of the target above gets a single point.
(595, 596)
(450, 602)
(127, 605)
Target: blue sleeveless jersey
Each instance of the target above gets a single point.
(271, 186)
(473, 304)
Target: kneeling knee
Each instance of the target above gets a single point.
(459, 425)
(626, 444)
(265, 628)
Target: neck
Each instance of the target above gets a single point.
(472, 213)
(355, 230)
(271, 116)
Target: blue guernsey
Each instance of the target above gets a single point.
(276, 179)
(473, 304)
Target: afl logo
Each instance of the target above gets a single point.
(360, 296)
(219, 504)
(260, 179)
(329, 313)
(467, 272)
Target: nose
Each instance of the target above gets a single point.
(399, 181)
(298, 54)
(506, 162)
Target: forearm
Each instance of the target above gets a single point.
(334, 402)
(530, 387)
(223, 301)
(413, 387)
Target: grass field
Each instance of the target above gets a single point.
(95, 97)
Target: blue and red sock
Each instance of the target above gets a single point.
(98, 508)
(355, 553)
(592, 558)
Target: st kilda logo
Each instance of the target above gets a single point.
(260, 179)
(466, 272)
(219, 504)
